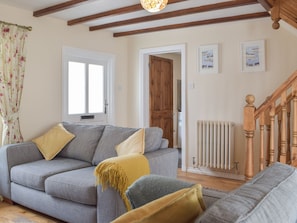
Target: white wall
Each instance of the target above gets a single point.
(42, 95)
(221, 96)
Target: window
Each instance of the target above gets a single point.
(87, 86)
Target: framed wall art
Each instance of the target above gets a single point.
(208, 59)
(253, 56)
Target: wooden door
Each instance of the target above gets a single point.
(161, 95)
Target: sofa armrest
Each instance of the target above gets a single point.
(164, 143)
(110, 205)
(12, 155)
(163, 162)
(270, 197)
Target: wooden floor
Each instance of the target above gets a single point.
(210, 181)
(18, 214)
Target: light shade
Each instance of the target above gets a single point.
(153, 5)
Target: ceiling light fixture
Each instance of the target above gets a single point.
(153, 5)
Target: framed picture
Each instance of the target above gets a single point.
(253, 56)
(208, 59)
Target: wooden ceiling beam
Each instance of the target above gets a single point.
(119, 11)
(182, 12)
(197, 23)
(58, 7)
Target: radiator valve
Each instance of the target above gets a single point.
(194, 162)
(236, 163)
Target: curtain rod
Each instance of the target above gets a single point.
(23, 27)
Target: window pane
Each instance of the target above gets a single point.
(76, 88)
(96, 88)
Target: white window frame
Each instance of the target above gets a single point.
(89, 57)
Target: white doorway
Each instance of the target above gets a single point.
(144, 89)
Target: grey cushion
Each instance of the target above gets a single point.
(34, 174)
(269, 197)
(152, 187)
(111, 137)
(153, 138)
(83, 146)
(76, 185)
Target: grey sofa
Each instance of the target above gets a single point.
(270, 197)
(65, 186)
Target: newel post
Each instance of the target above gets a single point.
(249, 126)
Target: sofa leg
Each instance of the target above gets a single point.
(8, 201)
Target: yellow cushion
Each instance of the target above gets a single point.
(53, 141)
(182, 206)
(134, 144)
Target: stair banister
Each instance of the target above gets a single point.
(278, 103)
(249, 126)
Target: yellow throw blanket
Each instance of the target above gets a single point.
(120, 172)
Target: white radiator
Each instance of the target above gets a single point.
(215, 144)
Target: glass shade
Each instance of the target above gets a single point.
(153, 5)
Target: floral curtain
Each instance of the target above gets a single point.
(12, 70)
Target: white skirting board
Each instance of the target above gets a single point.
(210, 172)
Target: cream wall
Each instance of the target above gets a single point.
(42, 95)
(221, 96)
(215, 97)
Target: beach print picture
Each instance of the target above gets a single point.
(253, 56)
(208, 59)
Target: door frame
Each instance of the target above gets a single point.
(144, 88)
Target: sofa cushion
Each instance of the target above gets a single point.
(133, 144)
(269, 197)
(34, 174)
(182, 206)
(152, 187)
(153, 138)
(53, 141)
(83, 146)
(111, 137)
(76, 185)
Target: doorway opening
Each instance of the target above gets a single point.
(144, 109)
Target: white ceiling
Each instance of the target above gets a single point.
(97, 6)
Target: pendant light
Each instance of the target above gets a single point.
(153, 5)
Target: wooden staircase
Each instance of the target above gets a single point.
(281, 9)
(275, 122)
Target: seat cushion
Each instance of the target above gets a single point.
(269, 197)
(112, 136)
(76, 185)
(83, 146)
(34, 174)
